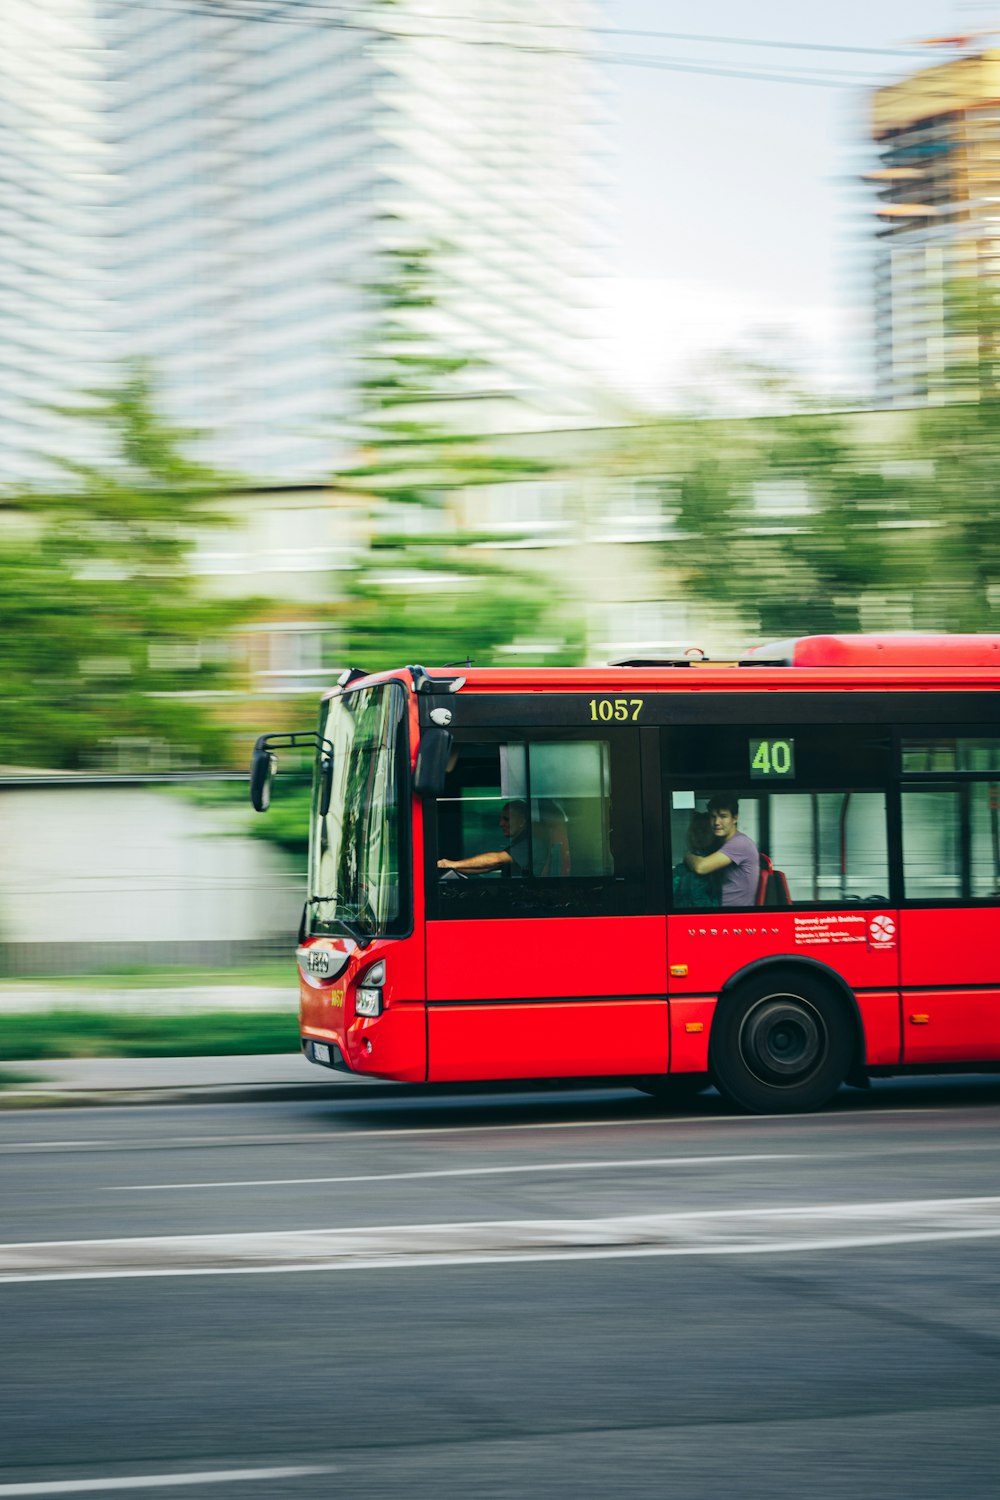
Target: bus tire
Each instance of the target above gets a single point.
(675, 1090)
(781, 1042)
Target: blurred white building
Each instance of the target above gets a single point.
(52, 312)
(262, 154)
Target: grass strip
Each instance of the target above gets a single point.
(277, 972)
(99, 1034)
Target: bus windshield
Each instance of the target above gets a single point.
(356, 868)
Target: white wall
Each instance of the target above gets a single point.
(107, 865)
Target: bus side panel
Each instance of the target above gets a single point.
(475, 969)
(706, 948)
(691, 1025)
(951, 985)
(880, 1023)
(951, 1026)
(690, 1028)
(562, 957)
(553, 1039)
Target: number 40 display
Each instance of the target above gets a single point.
(772, 758)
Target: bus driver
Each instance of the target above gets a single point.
(514, 858)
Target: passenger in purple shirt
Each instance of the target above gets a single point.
(736, 857)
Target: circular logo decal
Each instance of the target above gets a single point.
(882, 930)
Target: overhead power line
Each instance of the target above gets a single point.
(312, 8)
(300, 12)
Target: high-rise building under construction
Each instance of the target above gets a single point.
(937, 133)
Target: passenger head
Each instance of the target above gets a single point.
(700, 838)
(553, 838)
(551, 812)
(724, 811)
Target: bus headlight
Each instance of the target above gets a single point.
(368, 1001)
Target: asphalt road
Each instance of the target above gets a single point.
(504, 1295)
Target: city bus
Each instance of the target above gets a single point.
(774, 875)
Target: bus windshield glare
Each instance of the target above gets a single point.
(356, 874)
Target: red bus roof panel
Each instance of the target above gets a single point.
(879, 651)
(818, 663)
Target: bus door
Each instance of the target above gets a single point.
(541, 958)
(950, 808)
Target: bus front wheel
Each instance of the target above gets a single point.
(781, 1042)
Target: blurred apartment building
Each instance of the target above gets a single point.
(52, 307)
(937, 134)
(261, 156)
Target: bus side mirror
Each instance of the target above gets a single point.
(264, 763)
(325, 784)
(432, 762)
(262, 766)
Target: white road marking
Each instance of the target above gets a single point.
(755, 1231)
(634, 1163)
(155, 1481)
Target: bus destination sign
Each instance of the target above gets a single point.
(772, 760)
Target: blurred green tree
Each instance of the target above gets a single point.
(817, 521)
(108, 633)
(958, 439)
(429, 590)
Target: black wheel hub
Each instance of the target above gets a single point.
(783, 1040)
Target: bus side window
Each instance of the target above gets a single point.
(984, 817)
(545, 803)
(821, 848)
(951, 829)
(932, 843)
(524, 827)
(480, 787)
(832, 846)
(569, 787)
(936, 821)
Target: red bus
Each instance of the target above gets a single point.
(773, 875)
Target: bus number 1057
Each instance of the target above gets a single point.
(603, 710)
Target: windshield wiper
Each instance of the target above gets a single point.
(362, 939)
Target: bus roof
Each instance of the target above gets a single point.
(819, 662)
(879, 651)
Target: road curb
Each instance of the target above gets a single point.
(39, 1096)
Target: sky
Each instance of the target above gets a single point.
(738, 220)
